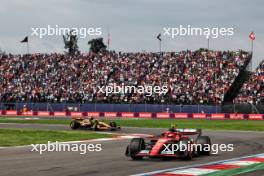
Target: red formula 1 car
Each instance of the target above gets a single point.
(177, 143)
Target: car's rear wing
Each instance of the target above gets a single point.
(189, 131)
(78, 118)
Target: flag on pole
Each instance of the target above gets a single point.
(252, 36)
(108, 40)
(25, 40)
(159, 37)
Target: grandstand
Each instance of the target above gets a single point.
(193, 77)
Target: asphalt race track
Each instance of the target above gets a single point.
(111, 160)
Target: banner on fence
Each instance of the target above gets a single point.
(148, 115)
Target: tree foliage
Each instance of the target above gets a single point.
(70, 42)
(97, 45)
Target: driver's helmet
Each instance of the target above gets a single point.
(172, 128)
(170, 135)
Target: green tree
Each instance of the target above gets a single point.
(97, 45)
(70, 42)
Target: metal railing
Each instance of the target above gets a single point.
(100, 107)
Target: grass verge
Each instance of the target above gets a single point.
(17, 137)
(242, 125)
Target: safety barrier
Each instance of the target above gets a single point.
(161, 115)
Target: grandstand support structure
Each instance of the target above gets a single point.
(243, 76)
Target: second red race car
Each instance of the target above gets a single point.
(175, 143)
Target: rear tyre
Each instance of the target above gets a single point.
(74, 124)
(95, 125)
(135, 146)
(204, 145)
(185, 152)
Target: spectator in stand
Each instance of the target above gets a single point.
(25, 109)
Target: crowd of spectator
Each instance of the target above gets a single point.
(192, 77)
(253, 90)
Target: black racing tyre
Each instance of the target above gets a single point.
(186, 153)
(135, 146)
(95, 125)
(127, 151)
(74, 124)
(203, 145)
(113, 124)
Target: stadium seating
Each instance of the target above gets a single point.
(193, 77)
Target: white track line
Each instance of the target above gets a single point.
(119, 137)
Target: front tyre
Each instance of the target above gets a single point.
(113, 124)
(135, 146)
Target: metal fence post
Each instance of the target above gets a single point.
(180, 108)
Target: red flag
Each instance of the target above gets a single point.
(252, 36)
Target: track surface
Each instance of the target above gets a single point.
(111, 160)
